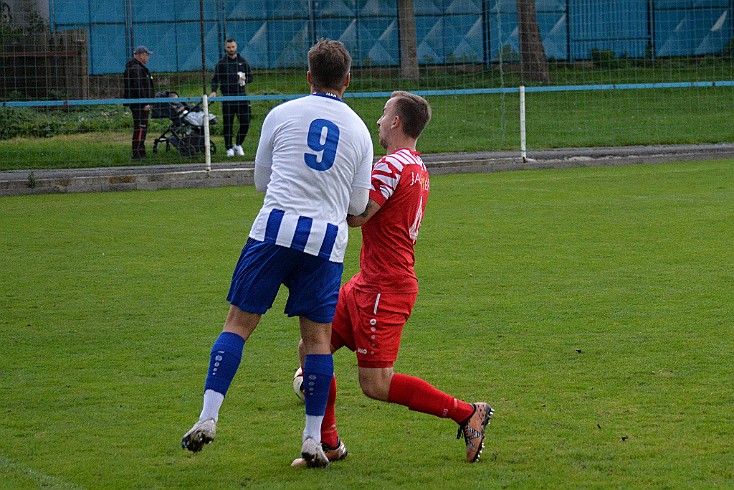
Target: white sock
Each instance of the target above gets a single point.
(212, 403)
(313, 427)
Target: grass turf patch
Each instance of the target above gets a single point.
(591, 307)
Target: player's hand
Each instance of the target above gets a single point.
(213, 94)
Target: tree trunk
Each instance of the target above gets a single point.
(533, 62)
(408, 43)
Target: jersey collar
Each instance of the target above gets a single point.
(412, 152)
(328, 95)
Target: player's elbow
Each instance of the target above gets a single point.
(355, 221)
(358, 201)
(261, 177)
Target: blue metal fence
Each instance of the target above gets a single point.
(277, 33)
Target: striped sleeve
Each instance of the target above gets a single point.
(385, 178)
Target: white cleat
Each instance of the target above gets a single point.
(238, 150)
(201, 434)
(336, 453)
(313, 454)
(230, 152)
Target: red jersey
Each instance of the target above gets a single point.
(400, 186)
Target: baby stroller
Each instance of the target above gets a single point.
(186, 131)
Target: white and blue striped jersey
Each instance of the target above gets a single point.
(318, 149)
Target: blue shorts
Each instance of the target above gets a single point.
(313, 282)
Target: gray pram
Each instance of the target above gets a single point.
(186, 131)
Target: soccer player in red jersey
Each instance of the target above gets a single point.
(375, 304)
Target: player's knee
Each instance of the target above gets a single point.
(370, 390)
(375, 387)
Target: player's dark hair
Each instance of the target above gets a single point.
(329, 63)
(413, 110)
(229, 40)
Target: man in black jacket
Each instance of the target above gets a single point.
(230, 76)
(138, 84)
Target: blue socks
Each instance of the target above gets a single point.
(224, 361)
(317, 373)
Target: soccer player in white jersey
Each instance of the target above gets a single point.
(313, 162)
(375, 304)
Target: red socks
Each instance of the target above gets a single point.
(329, 434)
(421, 396)
(409, 391)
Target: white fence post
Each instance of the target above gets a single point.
(207, 145)
(523, 141)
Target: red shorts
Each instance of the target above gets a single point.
(371, 324)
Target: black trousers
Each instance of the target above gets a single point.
(140, 129)
(230, 109)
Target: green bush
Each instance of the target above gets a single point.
(31, 122)
(604, 58)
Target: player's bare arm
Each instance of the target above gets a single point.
(360, 219)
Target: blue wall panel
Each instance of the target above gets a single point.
(288, 43)
(454, 39)
(692, 31)
(161, 39)
(343, 29)
(69, 12)
(503, 41)
(464, 7)
(107, 52)
(188, 47)
(252, 41)
(449, 31)
(246, 9)
(430, 32)
(337, 8)
(142, 12)
(469, 46)
(552, 22)
(620, 26)
(189, 10)
(428, 7)
(378, 42)
(103, 10)
(554, 32)
(277, 33)
(377, 8)
(288, 9)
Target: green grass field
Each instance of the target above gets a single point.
(591, 307)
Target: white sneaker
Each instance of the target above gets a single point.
(230, 152)
(201, 434)
(238, 149)
(314, 454)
